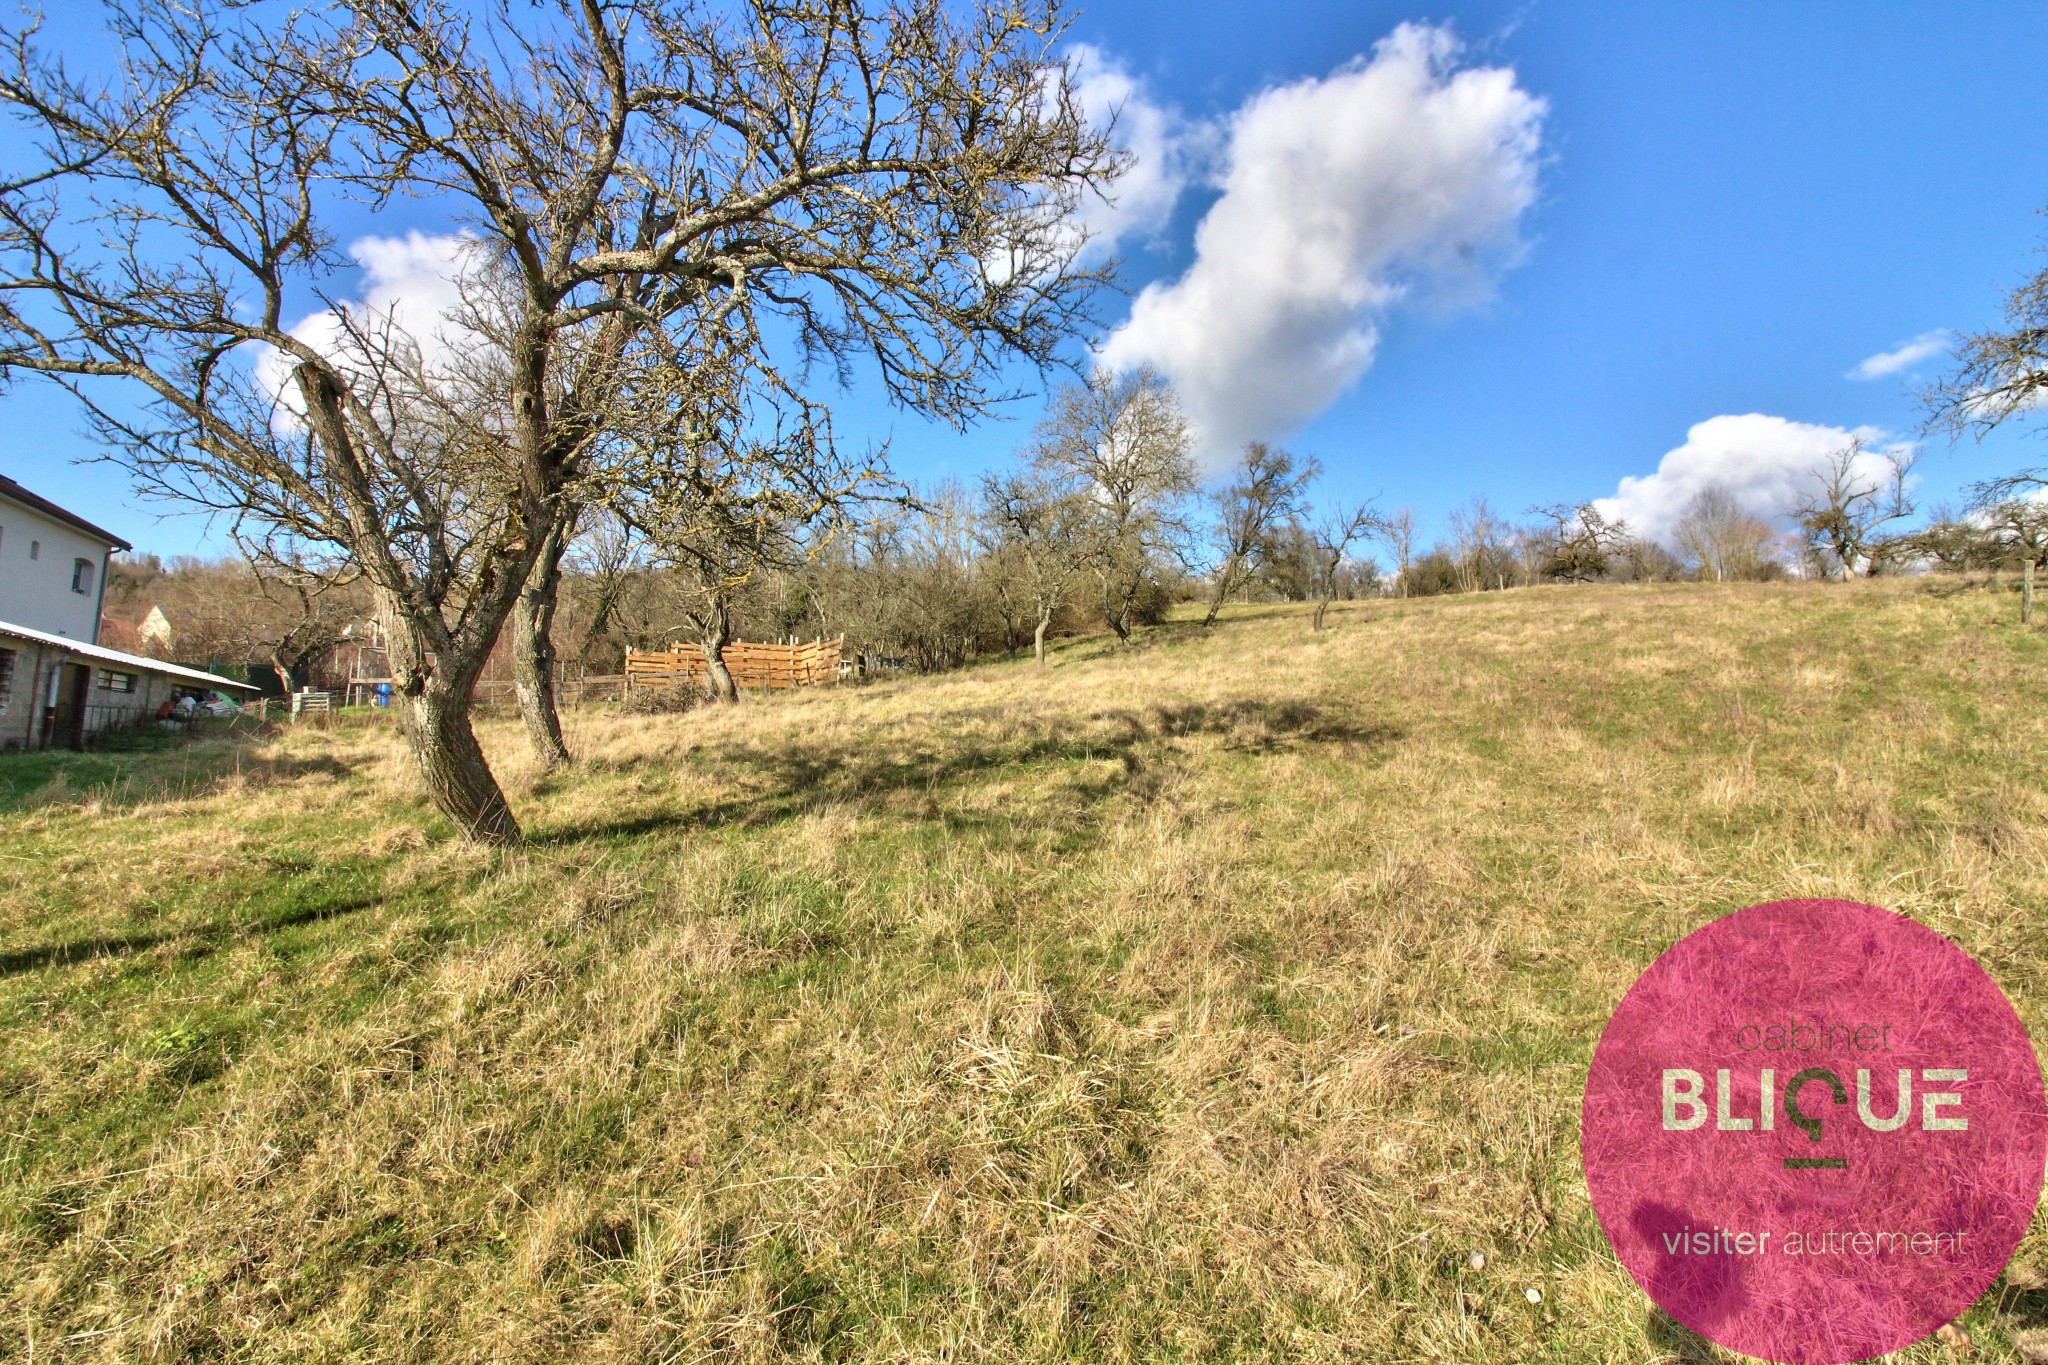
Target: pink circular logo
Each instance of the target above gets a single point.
(1814, 1131)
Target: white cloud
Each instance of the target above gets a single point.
(1393, 177)
(1164, 150)
(1765, 462)
(410, 292)
(1904, 356)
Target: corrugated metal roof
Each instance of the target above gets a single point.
(115, 656)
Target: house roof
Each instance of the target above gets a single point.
(10, 489)
(114, 656)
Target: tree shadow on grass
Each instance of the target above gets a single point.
(198, 942)
(289, 766)
(1945, 585)
(1234, 612)
(1267, 726)
(796, 777)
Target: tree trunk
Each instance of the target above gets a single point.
(433, 672)
(2027, 595)
(1038, 636)
(713, 636)
(1013, 623)
(1118, 595)
(283, 671)
(1322, 609)
(434, 703)
(533, 651)
(459, 781)
(1223, 587)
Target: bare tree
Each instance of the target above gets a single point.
(266, 607)
(2014, 518)
(605, 558)
(2021, 525)
(1644, 560)
(1847, 503)
(1048, 528)
(1998, 374)
(310, 613)
(1954, 542)
(1333, 535)
(891, 183)
(724, 484)
(1719, 536)
(1263, 494)
(1121, 441)
(1580, 544)
(1400, 535)
(1290, 567)
(1009, 584)
(1479, 551)
(939, 586)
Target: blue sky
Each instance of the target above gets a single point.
(1729, 208)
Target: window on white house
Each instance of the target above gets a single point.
(6, 676)
(81, 575)
(35, 549)
(116, 682)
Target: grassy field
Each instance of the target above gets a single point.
(1211, 1001)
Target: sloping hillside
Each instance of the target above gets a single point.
(1224, 999)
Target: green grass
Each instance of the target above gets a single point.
(1212, 1000)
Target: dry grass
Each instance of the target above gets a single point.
(1212, 1001)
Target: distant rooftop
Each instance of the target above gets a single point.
(10, 489)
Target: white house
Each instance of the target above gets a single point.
(53, 565)
(57, 686)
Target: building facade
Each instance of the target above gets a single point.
(58, 685)
(53, 565)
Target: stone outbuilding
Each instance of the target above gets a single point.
(56, 693)
(58, 685)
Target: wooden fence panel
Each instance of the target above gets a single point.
(751, 663)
